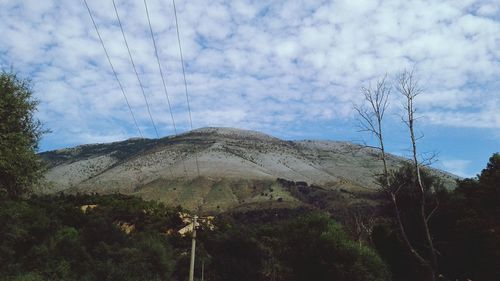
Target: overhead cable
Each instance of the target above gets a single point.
(185, 81)
(113, 68)
(135, 69)
(159, 68)
(162, 76)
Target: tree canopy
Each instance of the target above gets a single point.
(465, 226)
(20, 132)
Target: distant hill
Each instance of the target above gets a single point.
(237, 168)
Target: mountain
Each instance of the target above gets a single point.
(217, 169)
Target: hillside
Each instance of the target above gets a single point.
(236, 167)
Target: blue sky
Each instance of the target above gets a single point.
(292, 69)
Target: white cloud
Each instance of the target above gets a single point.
(490, 9)
(265, 65)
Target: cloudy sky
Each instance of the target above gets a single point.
(292, 69)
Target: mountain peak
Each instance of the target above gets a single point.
(222, 167)
(233, 133)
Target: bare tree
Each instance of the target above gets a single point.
(409, 88)
(361, 224)
(371, 117)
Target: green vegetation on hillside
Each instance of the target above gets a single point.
(117, 237)
(119, 150)
(306, 247)
(54, 238)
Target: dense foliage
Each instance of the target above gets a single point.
(54, 238)
(469, 226)
(19, 135)
(465, 225)
(307, 247)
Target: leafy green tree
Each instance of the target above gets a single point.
(489, 182)
(50, 238)
(491, 174)
(308, 247)
(317, 248)
(20, 132)
(469, 226)
(466, 227)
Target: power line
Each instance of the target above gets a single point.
(159, 68)
(135, 69)
(185, 82)
(113, 68)
(182, 64)
(162, 77)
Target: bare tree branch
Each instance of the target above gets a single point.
(408, 87)
(370, 120)
(432, 212)
(428, 159)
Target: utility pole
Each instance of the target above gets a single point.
(202, 270)
(193, 250)
(192, 224)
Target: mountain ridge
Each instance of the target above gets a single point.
(235, 167)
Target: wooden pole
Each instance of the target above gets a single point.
(193, 250)
(202, 270)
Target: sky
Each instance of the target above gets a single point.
(292, 69)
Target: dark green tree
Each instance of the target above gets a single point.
(309, 246)
(490, 176)
(489, 181)
(468, 226)
(20, 132)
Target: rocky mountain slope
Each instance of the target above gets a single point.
(215, 168)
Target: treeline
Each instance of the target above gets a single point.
(85, 238)
(464, 224)
(117, 237)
